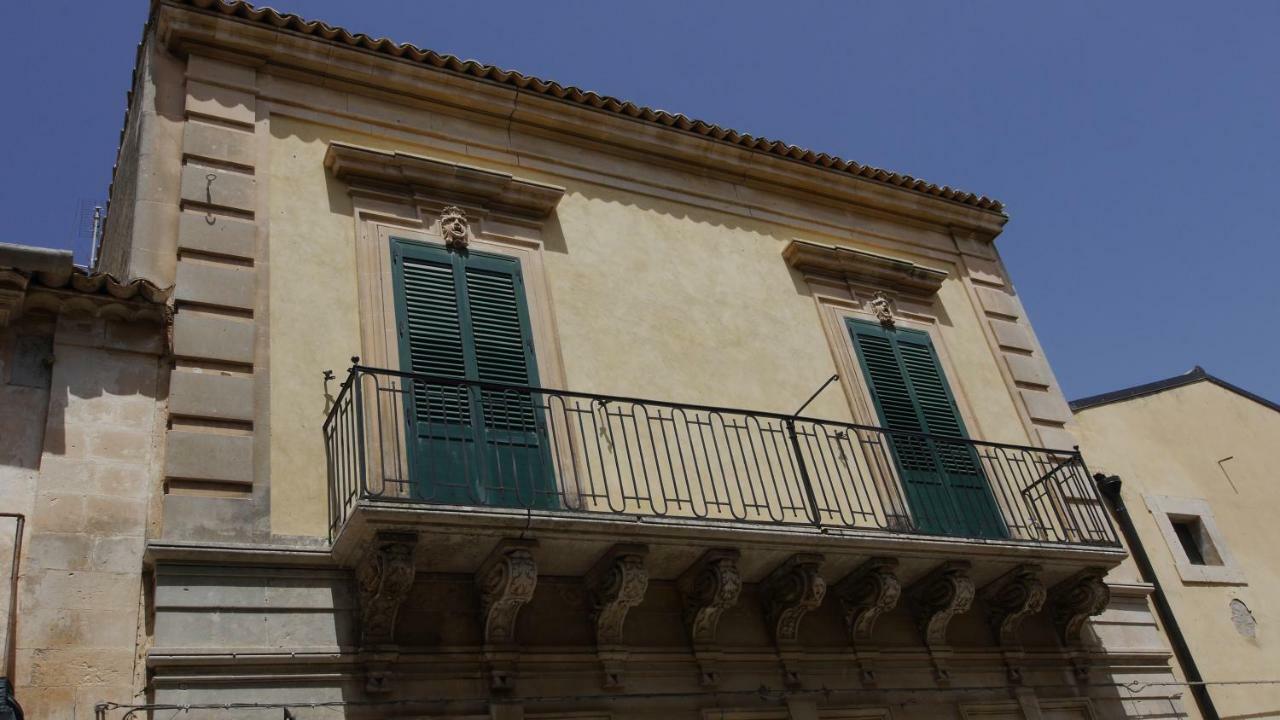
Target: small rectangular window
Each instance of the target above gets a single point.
(1188, 532)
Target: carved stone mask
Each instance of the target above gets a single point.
(454, 228)
(881, 306)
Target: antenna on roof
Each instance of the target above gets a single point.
(88, 228)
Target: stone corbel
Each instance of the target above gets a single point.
(506, 581)
(1074, 600)
(383, 577)
(867, 593)
(1071, 603)
(1010, 599)
(616, 584)
(793, 589)
(709, 588)
(871, 590)
(945, 592)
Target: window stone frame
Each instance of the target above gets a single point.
(1166, 510)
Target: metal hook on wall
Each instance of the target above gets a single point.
(208, 196)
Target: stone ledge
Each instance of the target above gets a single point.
(461, 537)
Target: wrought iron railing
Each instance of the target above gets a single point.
(406, 438)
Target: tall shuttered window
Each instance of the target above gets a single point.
(463, 316)
(943, 479)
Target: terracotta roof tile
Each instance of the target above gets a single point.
(290, 22)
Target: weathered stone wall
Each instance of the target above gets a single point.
(24, 401)
(82, 461)
(142, 208)
(292, 635)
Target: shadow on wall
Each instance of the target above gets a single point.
(100, 386)
(25, 363)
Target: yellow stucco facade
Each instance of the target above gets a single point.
(1181, 453)
(649, 297)
(289, 545)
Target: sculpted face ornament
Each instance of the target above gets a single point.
(454, 227)
(883, 310)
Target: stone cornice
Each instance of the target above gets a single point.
(496, 191)
(363, 71)
(859, 266)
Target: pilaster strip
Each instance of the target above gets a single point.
(216, 278)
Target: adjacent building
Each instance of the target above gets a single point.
(1193, 461)
(439, 390)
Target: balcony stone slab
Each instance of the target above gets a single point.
(458, 539)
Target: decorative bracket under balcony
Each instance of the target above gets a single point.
(1071, 603)
(871, 590)
(1075, 600)
(616, 584)
(865, 594)
(506, 582)
(1010, 599)
(945, 592)
(793, 589)
(384, 577)
(709, 588)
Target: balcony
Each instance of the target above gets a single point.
(467, 464)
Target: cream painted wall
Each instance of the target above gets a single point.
(650, 297)
(313, 323)
(1170, 444)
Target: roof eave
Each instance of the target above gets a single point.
(271, 37)
(1195, 375)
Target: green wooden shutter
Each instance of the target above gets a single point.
(943, 481)
(431, 329)
(893, 396)
(463, 315)
(498, 330)
(934, 399)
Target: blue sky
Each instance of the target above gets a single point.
(1136, 144)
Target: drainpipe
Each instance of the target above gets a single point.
(9, 707)
(1110, 487)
